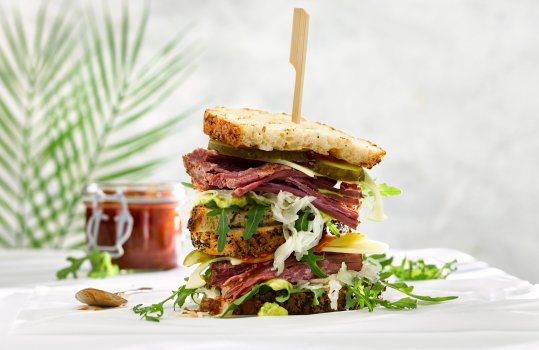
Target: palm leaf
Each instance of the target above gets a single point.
(65, 107)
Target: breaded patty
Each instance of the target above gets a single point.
(266, 239)
(199, 221)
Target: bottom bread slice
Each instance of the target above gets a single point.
(297, 304)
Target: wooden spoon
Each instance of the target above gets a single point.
(98, 297)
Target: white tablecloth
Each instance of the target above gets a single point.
(494, 310)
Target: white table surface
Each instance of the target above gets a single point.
(494, 310)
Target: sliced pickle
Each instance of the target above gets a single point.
(257, 154)
(334, 169)
(340, 171)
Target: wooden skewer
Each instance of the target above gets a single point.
(298, 53)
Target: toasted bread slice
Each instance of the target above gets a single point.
(266, 131)
(199, 221)
(297, 304)
(264, 242)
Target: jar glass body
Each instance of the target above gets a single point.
(138, 224)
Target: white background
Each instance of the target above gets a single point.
(448, 88)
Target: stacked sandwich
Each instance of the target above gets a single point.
(275, 215)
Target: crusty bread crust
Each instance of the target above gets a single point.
(258, 129)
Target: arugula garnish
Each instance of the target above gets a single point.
(317, 293)
(101, 265)
(311, 259)
(302, 223)
(155, 311)
(363, 294)
(410, 270)
(223, 227)
(406, 289)
(331, 225)
(415, 270)
(382, 259)
(243, 298)
(254, 217)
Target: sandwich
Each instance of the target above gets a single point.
(275, 215)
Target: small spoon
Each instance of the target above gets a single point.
(98, 297)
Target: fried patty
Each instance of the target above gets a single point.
(266, 239)
(200, 222)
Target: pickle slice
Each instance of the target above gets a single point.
(336, 170)
(257, 154)
(340, 171)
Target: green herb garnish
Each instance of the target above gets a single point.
(415, 270)
(101, 265)
(187, 184)
(242, 299)
(155, 311)
(363, 294)
(311, 259)
(317, 293)
(223, 227)
(410, 270)
(254, 217)
(302, 223)
(331, 225)
(406, 289)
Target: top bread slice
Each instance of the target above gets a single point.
(244, 127)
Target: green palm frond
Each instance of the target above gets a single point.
(74, 94)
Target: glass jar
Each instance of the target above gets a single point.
(137, 223)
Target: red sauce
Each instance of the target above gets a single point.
(152, 243)
(90, 308)
(254, 260)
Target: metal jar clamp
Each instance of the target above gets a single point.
(124, 224)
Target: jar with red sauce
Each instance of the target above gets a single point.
(136, 223)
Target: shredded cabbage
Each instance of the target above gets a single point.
(377, 213)
(293, 165)
(209, 292)
(346, 276)
(223, 199)
(370, 270)
(333, 294)
(285, 209)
